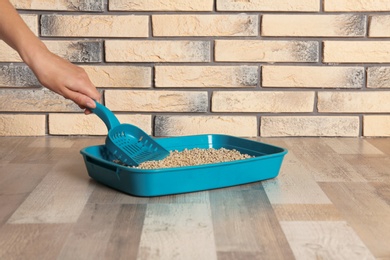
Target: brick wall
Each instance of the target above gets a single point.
(180, 67)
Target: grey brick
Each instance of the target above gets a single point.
(378, 77)
(17, 76)
(40, 100)
(306, 51)
(86, 51)
(205, 124)
(354, 24)
(48, 25)
(91, 5)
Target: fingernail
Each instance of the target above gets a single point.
(91, 104)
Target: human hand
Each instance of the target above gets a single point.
(53, 72)
(64, 78)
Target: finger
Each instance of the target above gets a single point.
(86, 87)
(91, 92)
(87, 111)
(80, 99)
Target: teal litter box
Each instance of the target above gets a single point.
(264, 165)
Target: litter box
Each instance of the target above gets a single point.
(264, 165)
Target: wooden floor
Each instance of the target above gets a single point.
(331, 200)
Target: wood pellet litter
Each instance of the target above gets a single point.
(196, 156)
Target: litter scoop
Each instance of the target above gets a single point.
(128, 143)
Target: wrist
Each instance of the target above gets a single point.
(32, 51)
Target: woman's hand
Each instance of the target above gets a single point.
(64, 78)
(53, 72)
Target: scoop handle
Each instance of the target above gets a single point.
(106, 115)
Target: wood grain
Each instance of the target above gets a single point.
(383, 144)
(244, 222)
(365, 211)
(125, 238)
(352, 146)
(297, 188)
(306, 212)
(177, 231)
(32, 241)
(59, 198)
(106, 231)
(90, 236)
(372, 169)
(17, 181)
(331, 200)
(324, 240)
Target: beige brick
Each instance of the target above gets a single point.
(379, 26)
(156, 101)
(312, 77)
(193, 125)
(313, 25)
(206, 76)
(356, 51)
(95, 25)
(80, 124)
(345, 126)
(354, 102)
(7, 54)
(356, 5)
(378, 77)
(157, 51)
(205, 25)
(263, 101)
(376, 125)
(32, 22)
(60, 5)
(40, 100)
(269, 5)
(120, 76)
(266, 51)
(22, 125)
(160, 5)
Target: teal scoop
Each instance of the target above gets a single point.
(128, 143)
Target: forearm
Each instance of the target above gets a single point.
(53, 72)
(16, 34)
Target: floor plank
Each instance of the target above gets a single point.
(294, 185)
(90, 236)
(372, 169)
(365, 211)
(32, 241)
(177, 231)
(306, 212)
(324, 240)
(383, 144)
(17, 181)
(382, 189)
(352, 146)
(245, 224)
(125, 238)
(59, 198)
(12, 147)
(105, 231)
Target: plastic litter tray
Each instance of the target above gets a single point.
(157, 182)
